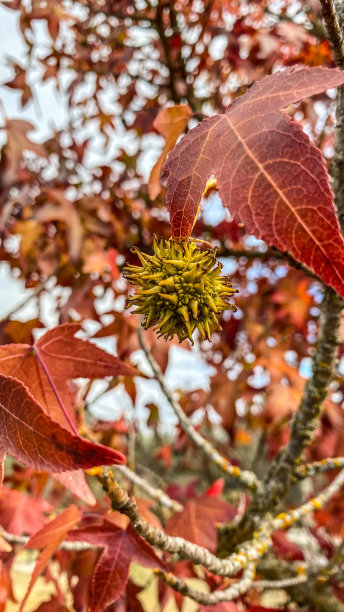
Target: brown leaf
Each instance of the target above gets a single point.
(170, 123)
(17, 142)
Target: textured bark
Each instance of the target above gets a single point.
(280, 476)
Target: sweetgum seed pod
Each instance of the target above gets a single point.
(179, 289)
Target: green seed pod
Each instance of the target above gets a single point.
(179, 289)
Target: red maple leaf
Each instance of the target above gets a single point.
(269, 174)
(32, 437)
(120, 548)
(57, 357)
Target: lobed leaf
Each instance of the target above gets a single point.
(57, 357)
(120, 548)
(269, 174)
(29, 435)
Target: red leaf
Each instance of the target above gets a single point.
(269, 174)
(216, 488)
(75, 481)
(6, 592)
(286, 549)
(55, 358)
(197, 522)
(120, 548)
(49, 538)
(32, 437)
(20, 513)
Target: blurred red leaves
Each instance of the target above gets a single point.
(20, 513)
(48, 538)
(197, 522)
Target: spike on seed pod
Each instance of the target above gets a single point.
(179, 289)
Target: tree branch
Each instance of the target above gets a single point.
(198, 555)
(246, 477)
(208, 599)
(334, 26)
(23, 540)
(280, 475)
(319, 467)
(245, 558)
(154, 493)
(334, 31)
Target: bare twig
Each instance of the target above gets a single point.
(246, 477)
(280, 584)
(207, 599)
(245, 558)
(319, 467)
(285, 519)
(154, 493)
(23, 540)
(198, 555)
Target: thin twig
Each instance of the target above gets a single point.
(245, 558)
(23, 540)
(154, 493)
(208, 599)
(319, 467)
(280, 584)
(285, 519)
(246, 477)
(198, 555)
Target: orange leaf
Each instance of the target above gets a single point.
(171, 123)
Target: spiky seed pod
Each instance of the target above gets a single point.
(179, 289)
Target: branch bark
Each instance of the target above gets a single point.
(246, 477)
(280, 476)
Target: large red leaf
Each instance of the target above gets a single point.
(32, 437)
(120, 548)
(197, 522)
(269, 174)
(57, 357)
(49, 538)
